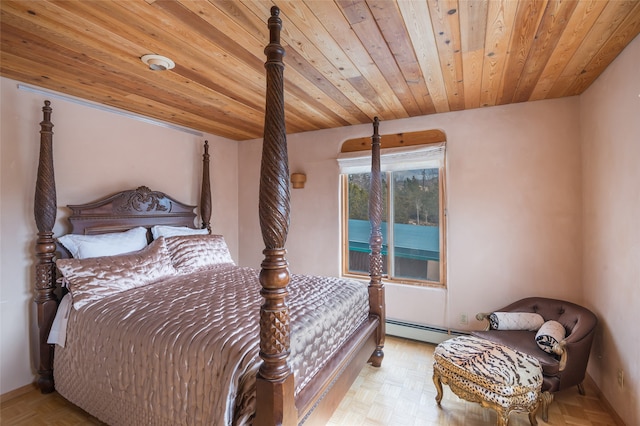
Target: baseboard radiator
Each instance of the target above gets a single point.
(422, 333)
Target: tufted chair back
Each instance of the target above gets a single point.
(579, 324)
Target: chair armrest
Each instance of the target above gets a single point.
(484, 316)
(560, 350)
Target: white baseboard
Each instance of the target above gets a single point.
(420, 332)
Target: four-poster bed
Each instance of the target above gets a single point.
(276, 377)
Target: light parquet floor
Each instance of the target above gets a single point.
(400, 393)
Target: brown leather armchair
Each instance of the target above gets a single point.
(567, 367)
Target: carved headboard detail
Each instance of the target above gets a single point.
(128, 209)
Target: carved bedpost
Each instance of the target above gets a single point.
(205, 191)
(376, 288)
(45, 209)
(275, 385)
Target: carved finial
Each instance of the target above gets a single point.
(274, 50)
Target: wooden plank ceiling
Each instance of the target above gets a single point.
(346, 62)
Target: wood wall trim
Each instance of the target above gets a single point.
(395, 140)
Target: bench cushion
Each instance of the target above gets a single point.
(493, 372)
(523, 341)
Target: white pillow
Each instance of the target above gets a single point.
(550, 334)
(529, 321)
(175, 231)
(86, 246)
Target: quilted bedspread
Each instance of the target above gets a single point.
(184, 351)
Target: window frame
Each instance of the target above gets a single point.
(344, 237)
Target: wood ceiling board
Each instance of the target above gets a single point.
(500, 22)
(302, 117)
(331, 17)
(346, 61)
(71, 42)
(219, 127)
(307, 24)
(308, 113)
(582, 19)
(66, 71)
(603, 28)
(444, 17)
(391, 23)
(298, 41)
(420, 30)
(214, 33)
(363, 23)
(235, 18)
(473, 18)
(303, 67)
(215, 60)
(622, 36)
(528, 16)
(312, 26)
(548, 34)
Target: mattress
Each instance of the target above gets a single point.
(185, 350)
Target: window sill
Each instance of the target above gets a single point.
(407, 282)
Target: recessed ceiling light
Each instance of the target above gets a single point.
(157, 62)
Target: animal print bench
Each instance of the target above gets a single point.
(494, 375)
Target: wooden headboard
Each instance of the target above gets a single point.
(128, 209)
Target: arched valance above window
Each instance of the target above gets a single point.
(395, 140)
(401, 151)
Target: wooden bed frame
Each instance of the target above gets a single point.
(276, 403)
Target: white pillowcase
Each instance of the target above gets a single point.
(529, 321)
(175, 231)
(551, 333)
(58, 333)
(87, 246)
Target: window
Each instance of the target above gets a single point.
(413, 193)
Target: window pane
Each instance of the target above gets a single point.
(416, 224)
(358, 225)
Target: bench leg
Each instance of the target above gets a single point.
(438, 383)
(532, 416)
(503, 417)
(547, 399)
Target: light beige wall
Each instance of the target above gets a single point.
(610, 117)
(513, 201)
(95, 153)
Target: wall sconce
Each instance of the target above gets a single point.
(298, 180)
